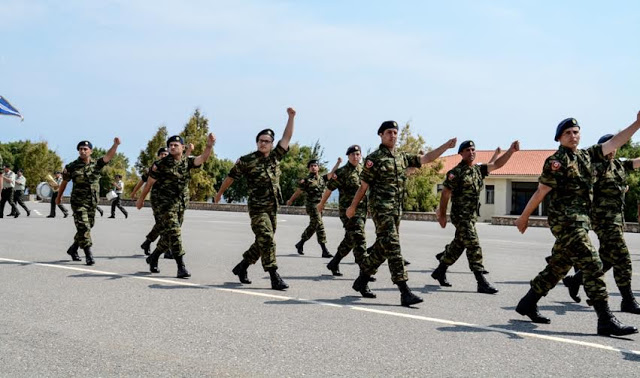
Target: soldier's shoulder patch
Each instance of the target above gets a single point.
(451, 176)
(369, 163)
(555, 165)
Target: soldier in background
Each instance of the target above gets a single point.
(464, 183)
(9, 182)
(18, 191)
(118, 187)
(261, 168)
(313, 185)
(55, 185)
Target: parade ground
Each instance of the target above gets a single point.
(63, 318)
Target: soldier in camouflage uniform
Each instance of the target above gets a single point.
(168, 181)
(384, 175)
(464, 183)
(347, 181)
(85, 172)
(313, 186)
(607, 218)
(567, 176)
(262, 171)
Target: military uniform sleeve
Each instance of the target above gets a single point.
(334, 183)
(237, 170)
(100, 164)
(370, 171)
(552, 171)
(302, 184)
(66, 173)
(156, 170)
(192, 163)
(279, 152)
(451, 180)
(595, 153)
(413, 161)
(484, 170)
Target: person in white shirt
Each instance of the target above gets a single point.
(18, 191)
(9, 182)
(118, 187)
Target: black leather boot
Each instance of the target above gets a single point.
(629, 303)
(440, 274)
(325, 251)
(573, 284)
(88, 256)
(334, 265)
(361, 285)
(483, 285)
(299, 247)
(277, 283)
(608, 325)
(146, 246)
(152, 260)
(407, 298)
(528, 306)
(182, 270)
(73, 252)
(240, 270)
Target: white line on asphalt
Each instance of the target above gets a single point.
(357, 308)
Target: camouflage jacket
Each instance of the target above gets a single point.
(570, 175)
(609, 188)
(263, 178)
(313, 186)
(466, 183)
(86, 178)
(347, 181)
(172, 181)
(385, 174)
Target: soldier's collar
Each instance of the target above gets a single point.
(386, 149)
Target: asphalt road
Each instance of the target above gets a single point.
(62, 318)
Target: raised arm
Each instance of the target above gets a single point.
(351, 210)
(200, 159)
(335, 168)
(621, 138)
(441, 211)
(288, 130)
(636, 163)
(295, 195)
(523, 221)
(434, 154)
(61, 189)
(502, 160)
(225, 185)
(495, 155)
(112, 151)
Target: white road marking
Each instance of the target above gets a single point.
(357, 308)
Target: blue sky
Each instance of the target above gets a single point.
(491, 71)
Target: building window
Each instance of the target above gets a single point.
(491, 194)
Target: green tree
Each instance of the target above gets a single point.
(202, 180)
(35, 159)
(118, 165)
(631, 150)
(149, 154)
(237, 192)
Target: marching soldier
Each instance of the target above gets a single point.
(9, 182)
(168, 181)
(55, 185)
(464, 183)
(607, 217)
(384, 175)
(18, 192)
(118, 187)
(261, 168)
(313, 185)
(567, 177)
(347, 180)
(85, 172)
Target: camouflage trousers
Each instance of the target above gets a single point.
(169, 226)
(84, 217)
(466, 237)
(386, 247)
(315, 226)
(155, 231)
(614, 252)
(354, 236)
(572, 248)
(263, 225)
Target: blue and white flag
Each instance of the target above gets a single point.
(7, 109)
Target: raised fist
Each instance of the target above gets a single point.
(515, 146)
(116, 141)
(452, 142)
(291, 112)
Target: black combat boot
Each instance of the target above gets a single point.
(483, 285)
(406, 262)
(407, 298)
(573, 284)
(440, 274)
(152, 260)
(439, 255)
(629, 303)
(608, 325)
(300, 247)
(88, 256)
(73, 252)
(240, 270)
(182, 270)
(361, 285)
(277, 283)
(528, 306)
(168, 255)
(334, 265)
(325, 251)
(146, 246)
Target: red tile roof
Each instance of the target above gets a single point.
(522, 163)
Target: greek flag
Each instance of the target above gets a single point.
(7, 109)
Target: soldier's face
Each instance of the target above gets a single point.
(313, 168)
(469, 154)
(389, 138)
(84, 152)
(570, 138)
(176, 148)
(264, 144)
(355, 157)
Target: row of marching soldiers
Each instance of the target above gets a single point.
(378, 186)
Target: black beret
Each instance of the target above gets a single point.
(352, 149)
(605, 138)
(7, 165)
(84, 143)
(466, 144)
(20, 170)
(565, 124)
(312, 161)
(268, 132)
(57, 173)
(175, 138)
(118, 176)
(161, 150)
(387, 125)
